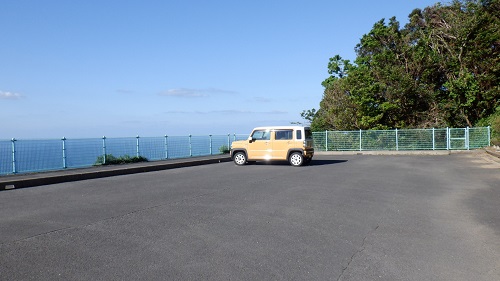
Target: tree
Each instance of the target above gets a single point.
(441, 69)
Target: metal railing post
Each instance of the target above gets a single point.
(64, 152)
(447, 138)
(14, 156)
(326, 140)
(489, 136)
(210, 136)
(433, 140)
(104, 150)
(360, 142)
(137, 147)
(397, 144)
(166, 147)
(467, 144)
(190, 147)
(228, 141)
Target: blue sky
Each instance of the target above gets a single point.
(91, 68)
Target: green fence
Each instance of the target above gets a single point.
(410, 139)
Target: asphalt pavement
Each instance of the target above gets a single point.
(68, 175)
(344, 217)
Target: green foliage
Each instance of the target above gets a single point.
(112, 160)
(494, 122)
(441, 69)
(495, 125)
(224, 149)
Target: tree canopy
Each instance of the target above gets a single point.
(441, 69)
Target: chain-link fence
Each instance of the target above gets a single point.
(410, 139)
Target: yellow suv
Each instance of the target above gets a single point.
(291, 143)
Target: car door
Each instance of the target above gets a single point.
(260, 145)
(283, 141)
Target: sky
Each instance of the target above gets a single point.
(93, 68)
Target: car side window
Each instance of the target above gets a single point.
(283, 134)
(261, 135)
(299, 134)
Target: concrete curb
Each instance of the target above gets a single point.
(493, 153)
(391, 152)
(37, 179)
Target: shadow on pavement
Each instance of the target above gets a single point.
(326, 162)
(285, 163)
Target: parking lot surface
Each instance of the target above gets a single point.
(344, 217)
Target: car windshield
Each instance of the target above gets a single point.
(261, 134)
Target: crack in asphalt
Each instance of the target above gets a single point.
(361, 249)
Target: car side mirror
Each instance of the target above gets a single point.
(250, 139)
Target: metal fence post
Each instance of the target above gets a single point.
(228, 141)
(210, 144)
(166, 147)
(137, 147)
(190, 147)
(14, 156)
(104, 150)
(467, 144)
(397, 144)
(433, 140)
(64, 152)
(489, 136)
(447, 138)
(326, 140)
(360, 143)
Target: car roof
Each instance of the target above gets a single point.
(280, 127)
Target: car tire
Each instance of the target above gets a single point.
(240, 158)
(296, 159)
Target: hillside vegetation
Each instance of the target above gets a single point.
(442, 69)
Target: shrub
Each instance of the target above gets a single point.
(224, 149)
(494, 121)
(495, 126)
(125, 159)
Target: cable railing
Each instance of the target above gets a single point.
(35, 155)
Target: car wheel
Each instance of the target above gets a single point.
(296, 159)
(240, 159)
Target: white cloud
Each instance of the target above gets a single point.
(194, 93)
(10, 96)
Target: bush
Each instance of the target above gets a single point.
(495, 126)
(494, 121)
(224, 149)
(111, 160)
